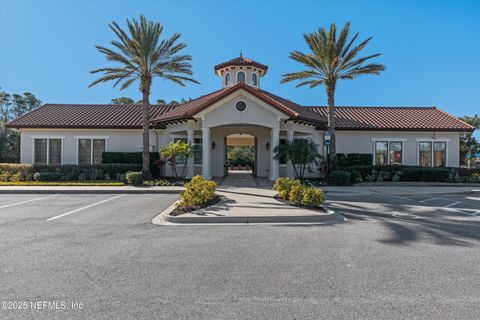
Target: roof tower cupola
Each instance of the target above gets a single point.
(240, 69)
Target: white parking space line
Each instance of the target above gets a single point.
(86, 207)
(452, 204)
(26, 201)
(473, 198)
(429, 199)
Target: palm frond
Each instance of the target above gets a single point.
(140, 53)
(331, 57)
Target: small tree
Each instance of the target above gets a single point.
(301, 153)
(174, 153)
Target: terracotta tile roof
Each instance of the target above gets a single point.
(86, 116)
(348, 118)
(392, 118)
(241, 61)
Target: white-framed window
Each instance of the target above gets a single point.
(228, 79)
(432, 153)
(197, 149)
(48, 150)
(254, 79)
(282, 160)
(241, 77)
(90, 149)
(388, 152)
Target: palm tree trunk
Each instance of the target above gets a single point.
(146, 135)
(331, 123)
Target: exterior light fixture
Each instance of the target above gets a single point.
(213, 145)
(267, 146)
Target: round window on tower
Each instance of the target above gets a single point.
(241, 106)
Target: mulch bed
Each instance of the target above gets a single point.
(179, 211)
(319, 209)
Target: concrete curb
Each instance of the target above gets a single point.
(164, 218)
(86, 191)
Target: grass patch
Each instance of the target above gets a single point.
(98, 183)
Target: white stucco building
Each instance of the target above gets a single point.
(240, 112)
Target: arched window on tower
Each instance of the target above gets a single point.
(254, 79)
(241, 77)
(227, 79)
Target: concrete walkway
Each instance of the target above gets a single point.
(246, 199)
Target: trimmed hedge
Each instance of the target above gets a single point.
(340, 178)
(354, 159)
(425, 174)
(26, 172)
(132, 158)
(412, 173)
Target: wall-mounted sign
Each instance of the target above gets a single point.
(327, 135)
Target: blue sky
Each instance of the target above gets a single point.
(430, 48)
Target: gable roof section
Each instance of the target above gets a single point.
(393, 118)
(85, 116)
(188, 110)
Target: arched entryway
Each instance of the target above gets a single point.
(240, 153)
(257, 138)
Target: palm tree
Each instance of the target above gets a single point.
(331, 59)
(140, 56)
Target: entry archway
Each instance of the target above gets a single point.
(240, 153)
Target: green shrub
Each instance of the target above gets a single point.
(47, 176)
(312, 197)
(354, 159)
(356, 177)
(380, 177)
(132, 158)
(5, 177)
(339, 178)
(198, 192)
(284, 185)
(396, 177)
(425, 174)
(69, 172)
(134, 178)
(296, 193)
(13, 172)
(166, 182)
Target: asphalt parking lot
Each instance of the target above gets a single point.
(396, 257)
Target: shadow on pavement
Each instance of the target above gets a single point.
(412, 226)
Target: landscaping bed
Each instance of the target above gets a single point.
(293, 192)
(198, 194)
(191, 209)
(398, 173)
(319, 208)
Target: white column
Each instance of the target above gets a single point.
(290, 172)
(190, 162)
(206, 145)
(274, 141)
